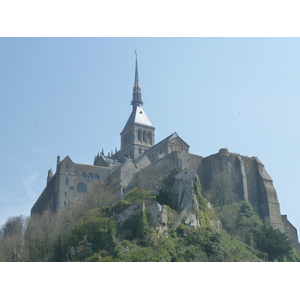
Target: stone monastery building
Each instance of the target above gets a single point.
(139, 157)
(72, 181)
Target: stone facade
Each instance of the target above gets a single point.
(141, 162)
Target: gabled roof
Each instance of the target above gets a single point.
(172, 137)
(138, 116)
(168, 138)
(66, 159)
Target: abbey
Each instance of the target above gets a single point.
(142, 162)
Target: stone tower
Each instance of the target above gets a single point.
(138, 133)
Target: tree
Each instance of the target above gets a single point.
(273, 242)
(12, 239)
(46, 236)
(245, 211)
(247, 223)
(97, 228)
(206, 240)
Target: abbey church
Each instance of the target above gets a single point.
(140, 157)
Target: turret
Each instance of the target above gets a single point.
(50, 175)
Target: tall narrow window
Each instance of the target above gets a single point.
(67, 181)
(140, 135)
(67, 168)
(150, 137)
(145, 136)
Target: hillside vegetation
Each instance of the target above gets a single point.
(90, 232)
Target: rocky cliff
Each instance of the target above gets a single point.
(225, 177)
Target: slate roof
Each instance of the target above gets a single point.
(138, 116)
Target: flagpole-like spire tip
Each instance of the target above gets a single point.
(136, 99)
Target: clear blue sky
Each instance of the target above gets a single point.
(71, 96)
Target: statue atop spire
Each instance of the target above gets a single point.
(136, 95)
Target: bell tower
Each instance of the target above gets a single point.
(138, 133)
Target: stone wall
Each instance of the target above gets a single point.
(291, 231)
(44, 202)
(150, 177)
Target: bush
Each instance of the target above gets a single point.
(136, 195)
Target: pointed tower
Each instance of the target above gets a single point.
(138, 133)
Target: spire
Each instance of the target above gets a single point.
(136, 95)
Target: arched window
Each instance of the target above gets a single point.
(67, 168)
(150, 137)
(140, 135)
(96, 177)
(81, 187)
(83, 175)
(67, 181)
(90, 176)
(145, 136)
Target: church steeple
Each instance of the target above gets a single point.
(138, 134)
(136, 95)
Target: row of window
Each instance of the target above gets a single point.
(142, 135)
(90, 176)
(145, 136)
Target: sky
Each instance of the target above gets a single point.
(71, 96)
